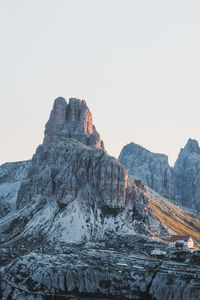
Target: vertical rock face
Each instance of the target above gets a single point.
(56, 121)
(72, 120)
(61, 169)
(152, 168)
(11, 178)
(186, 175)
(181, 183)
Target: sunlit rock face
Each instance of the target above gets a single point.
(182, 182)
(186, 174)
(72, 120)
(152, 168)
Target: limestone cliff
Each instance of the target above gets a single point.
(72, 120)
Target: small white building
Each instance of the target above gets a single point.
(158, 252)
(182, 241)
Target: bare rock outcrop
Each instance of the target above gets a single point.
(72, 120)
(61, 168)
(98, 274)
(186, 174)
(85, 192)
(152, 168)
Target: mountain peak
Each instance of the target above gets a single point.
(192, 146)
(72, 120)
(60, 101)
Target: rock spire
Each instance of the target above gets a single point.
(72, 120)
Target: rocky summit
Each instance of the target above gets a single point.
(72, 120)
(76, 225)
(181, 183)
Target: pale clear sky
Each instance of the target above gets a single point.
(136, 63)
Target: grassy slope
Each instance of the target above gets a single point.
(175, 220)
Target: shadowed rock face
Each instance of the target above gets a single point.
(60, 169)
(152, 168)
(11, 178)
(181, 183)
(186, 175)
(72, 120)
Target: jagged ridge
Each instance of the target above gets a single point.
(181, 183)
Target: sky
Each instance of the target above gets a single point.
(136, 63)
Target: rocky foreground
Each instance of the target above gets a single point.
(121, 268)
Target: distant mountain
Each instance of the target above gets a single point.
(186, 174)
(181, 183)
(152, 168)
